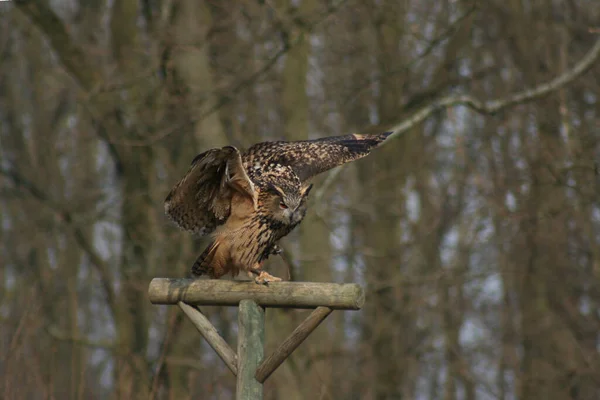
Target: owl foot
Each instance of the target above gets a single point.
(264, 278)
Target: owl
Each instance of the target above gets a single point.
(248, 201)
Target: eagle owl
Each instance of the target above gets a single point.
(248, 201)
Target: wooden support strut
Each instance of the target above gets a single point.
(211, 335)
(292, 342)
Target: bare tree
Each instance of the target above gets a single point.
(475, 229)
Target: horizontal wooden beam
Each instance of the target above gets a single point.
(209, 332)
(287, 347)
(215, 292)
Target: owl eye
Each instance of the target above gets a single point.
(283, 205)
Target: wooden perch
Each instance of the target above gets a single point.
(348, 296)
(247, 365)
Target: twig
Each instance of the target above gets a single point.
(286, 261)
(431, 45)
(14, 341)
(173, 325)
(100, 344)
(331, 176)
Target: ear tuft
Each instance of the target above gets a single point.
(275, 190)
(306, 190)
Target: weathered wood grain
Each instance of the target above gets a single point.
(346, 296)
(251, 340)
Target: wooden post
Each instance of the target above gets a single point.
(251, 340)
(248, 364)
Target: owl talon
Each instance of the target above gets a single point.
(276, 250)
(264, 278)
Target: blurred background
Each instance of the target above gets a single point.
(475, 236)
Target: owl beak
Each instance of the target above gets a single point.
(295, 216)
(289, 214)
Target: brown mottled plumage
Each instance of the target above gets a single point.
(249, 201)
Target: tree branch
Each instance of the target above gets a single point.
(173, 327)
(494, 106)
(69, 54)
(287, 45)
(488, 108)
(66, 216)
(431, 46)
(75, 63)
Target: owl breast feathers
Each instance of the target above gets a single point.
(248, 201)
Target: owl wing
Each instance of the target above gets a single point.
(311, 157)
(201, 200)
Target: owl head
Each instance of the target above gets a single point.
(287, 203)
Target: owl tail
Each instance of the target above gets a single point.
(203, 264)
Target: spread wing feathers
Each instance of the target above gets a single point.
(311, 157)
(201, 200)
